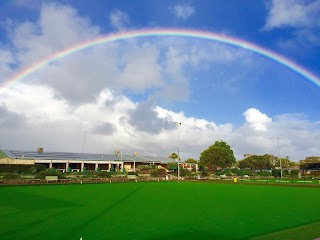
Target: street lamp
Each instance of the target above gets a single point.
(178, 124)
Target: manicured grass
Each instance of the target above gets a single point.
(153, 210)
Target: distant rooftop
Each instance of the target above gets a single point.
(17, 154)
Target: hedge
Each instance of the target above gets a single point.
(21, 168)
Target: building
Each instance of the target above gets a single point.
(70, 162)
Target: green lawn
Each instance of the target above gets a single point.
(165, 210)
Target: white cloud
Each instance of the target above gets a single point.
(112, 121)
(301, 18)
(293, 13)
(119, 20)
(256, 119)
(86, 92)
(183, 11)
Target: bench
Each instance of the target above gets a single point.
(245, 176)
(52, 178)
(132, 177)
(223, 176)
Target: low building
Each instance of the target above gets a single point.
(70, 162)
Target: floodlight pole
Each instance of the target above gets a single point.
(178, 125)
(280, 158)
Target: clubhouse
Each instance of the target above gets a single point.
(71, 162)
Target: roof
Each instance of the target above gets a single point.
(34, 155)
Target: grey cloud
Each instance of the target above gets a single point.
(105, 128)
(145, 119)
(10, 119)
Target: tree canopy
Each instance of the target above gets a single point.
(219, 154)
(173, 156)
(256, 162)
(191, 160)
(310, 163)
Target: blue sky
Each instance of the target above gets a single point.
(128, 94)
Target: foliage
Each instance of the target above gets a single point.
(145, 169)
(21, 168)
(104, 174)
(9, 176)
(313, 159)
(191, 160)
(205, 174)
(285, 163)
(49, 172)
(264, 173)
(159, 173)
(172, 166)
(256, 162)
(217, 155)
(310, 163)
(173, 156)
(185, 172)
(132, 173)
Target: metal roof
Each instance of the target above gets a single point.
(18, 154)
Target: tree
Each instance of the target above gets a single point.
(256, 162)
(172, 166)
(310, 163)
(191, 160)
(219, 154)
(173, 156)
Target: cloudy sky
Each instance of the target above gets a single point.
(128, 94)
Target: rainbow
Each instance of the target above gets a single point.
(158, 33)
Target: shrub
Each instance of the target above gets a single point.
(9, 176)
(49, 172)
(145, 169)
(104, 174)
(185, 172)
(132, 173)
(205, 174)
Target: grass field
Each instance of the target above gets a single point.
(153, 210)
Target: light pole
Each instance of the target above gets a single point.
(178, 125)
(280, 158)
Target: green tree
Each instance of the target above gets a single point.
(256, 162)
(172, 166)
(173, 156)
(310, 163)
(191, 160)
(219, 154)
(286, 163)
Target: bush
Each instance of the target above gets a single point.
(9, 176)
(49, 172)
(185, 172)
(264, 173)
(205, 174)
(104, 174)
(145, 169)
(132, 173)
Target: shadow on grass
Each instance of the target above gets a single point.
(308, 231)
(22, 228)
(102, 213)
(30, 202)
